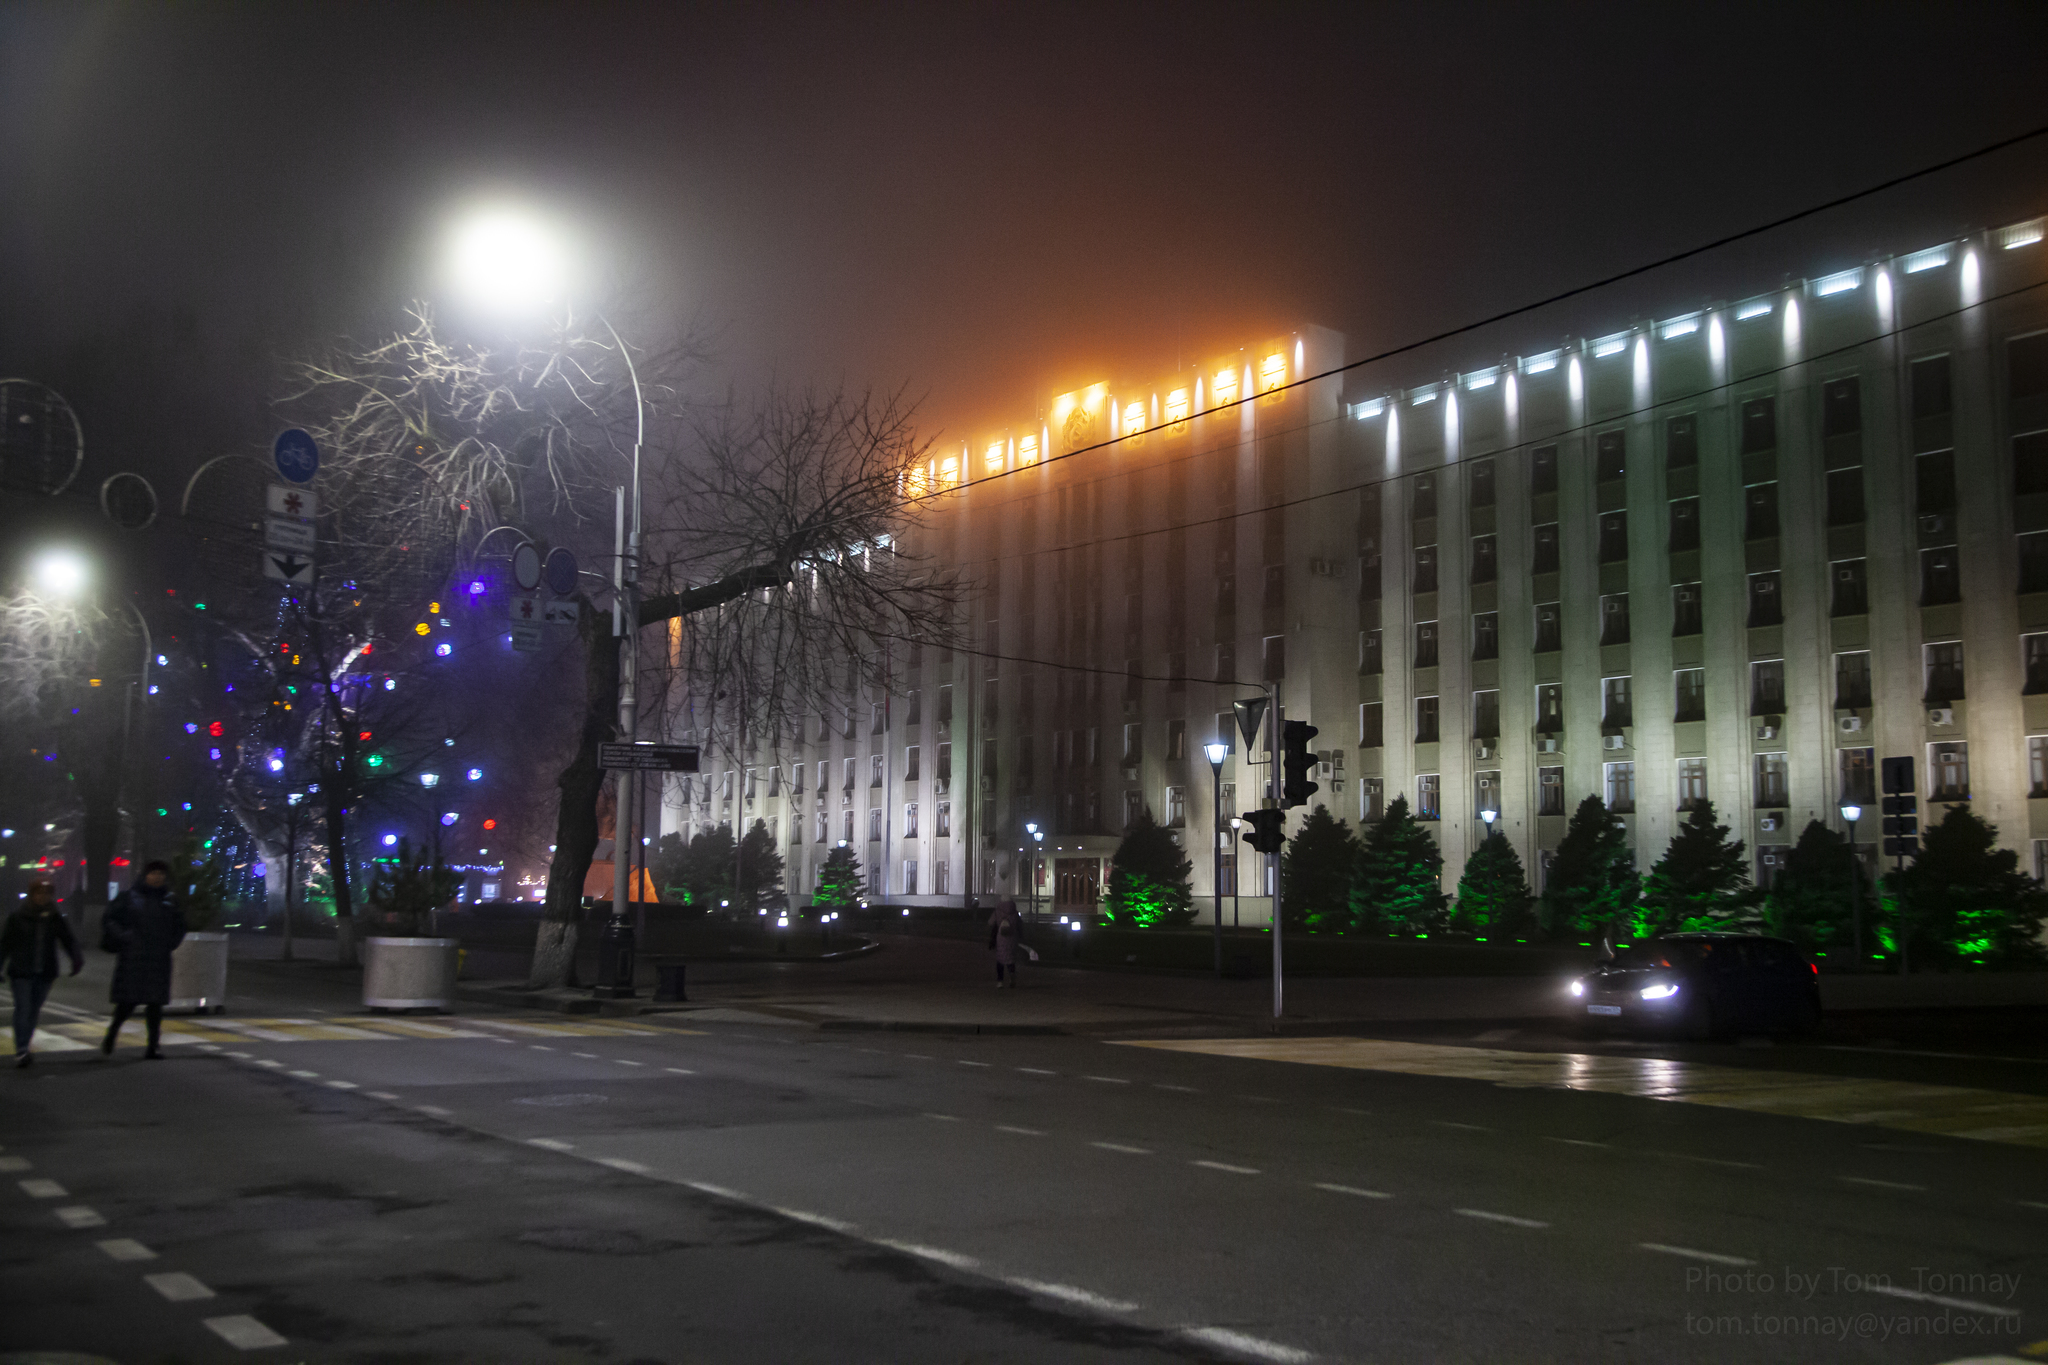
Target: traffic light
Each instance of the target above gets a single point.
(1298, 760)
(1264, 834)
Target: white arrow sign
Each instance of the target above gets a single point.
(288, 567)
(287, 501)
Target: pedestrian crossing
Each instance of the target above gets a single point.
(1948, 1110)
(76, 1030)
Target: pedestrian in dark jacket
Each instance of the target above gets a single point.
(144, 926)
(28, 951)
(1004, 928)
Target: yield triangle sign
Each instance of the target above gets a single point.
(1249, 714)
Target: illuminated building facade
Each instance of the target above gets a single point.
(1739, 554)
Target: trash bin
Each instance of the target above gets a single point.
(668, 981)
(199, 974)
(409, 973)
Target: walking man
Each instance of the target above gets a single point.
(144, 926)
(1004, 928)
(28, 950)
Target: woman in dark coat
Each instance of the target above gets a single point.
(143, 927)
(28, 952)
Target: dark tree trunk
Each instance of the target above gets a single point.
(335, 786)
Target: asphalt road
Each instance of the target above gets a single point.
(521, 1187)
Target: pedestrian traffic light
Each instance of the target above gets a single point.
(1264, 834)
(1298, 760)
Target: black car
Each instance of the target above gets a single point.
(1702, 985)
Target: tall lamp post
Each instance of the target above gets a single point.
(1217, 752)
(1851, 814)
(1037, 869)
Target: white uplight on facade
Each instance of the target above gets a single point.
(1717, 343)
(1973, 283)
(2020, 234)
(1371, 407)
(1540, 364)
(1607, 346)
(1840, 282)
(1482, 379)
(1424, 396)
(1680, 327)
(1930, 259)
(1755, 308)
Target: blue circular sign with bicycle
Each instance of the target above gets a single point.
(298, 458)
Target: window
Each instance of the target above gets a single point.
(910, 876)
(1944, 667)
(1425, 568)
(942, 777)
(1226, 800)
(2034, 664)
(1759, 425)
(2037, 765)
(910, 821)
(1543, 470)
(1549, 627)
(1428, 796)
(1273, 659)
(1768, 863)
(1543, 552)
(1613, 537)
(1852, 680)
(1226, 662)
(1614, 619)
(1692, 782)
(1176, 807)
(945, 716)
(943, 823)
(988, 765)
(1841, 408)
(1760, 511)
(1685, 524)
(1681, 442)
(1685, 609)
(1934, 482)
(775, 781)
(875, 825)
(1845, 496)
(1485, 558)
(1549, 708)
(1931, 396)
(851, 766)
(1689, 688)
(1372, 798)
(1134, 744)
(1176, 739)
(1425, 497)
(1616, 705)
(1948, 770)
(1486, 790)
(1372, 724)
(910, 763)
(824, 826)
(2026, 364)
(2034, 562)
(1486, 635)
(1765, 608)
(1610, 455)
(1939, 580)
(1486, 714)
(796, 782)
(876, 713)
(1621, 787)
(2030, 463)
(941, 868)
(1226, 875)
(1767, 687)
(1858, 770)
(1425, 644)
(1851, 596)
(1425, 720)
(1771, 785)
(1134, 806)
(1481, 476)
(913, 713)
(1550, 791)
(1369, 652)
(875, 765)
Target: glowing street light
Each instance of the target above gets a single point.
(508, 259)
(61, 573)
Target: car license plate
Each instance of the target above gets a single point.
(1603, 1009)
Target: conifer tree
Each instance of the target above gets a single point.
(1812, 898)
(760, 868)
(1493, 895)
(839, 881)
(1396, 886)
(1701, 882)
(1592, 882)
(1315, 874)
(1964, 900)
(1148, 879)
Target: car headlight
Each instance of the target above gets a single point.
(1578, 988)
(1663, 992)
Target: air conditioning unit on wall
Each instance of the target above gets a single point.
(1547, 744)
(1850, 724)
(1768, 823)
(1614, 741)
(1769, 728)
(1484, 749)
(1941, 715)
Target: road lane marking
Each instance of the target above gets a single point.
(923, 1252)
(1575, 1142)
(587, 1056)
(552, 1144)
(1182, 1089)
(944, 1118)
(540, 1047)
(1507, 1218)
(2033, 1204)
(1226, 1339)
(303, 1075)
(619, 1163)
(623, 1062)
(679, 1070)
(242, 1056)
(1966, 1305)
(1021, 1132)
(1037, 1071)
(918, 1056)
(721, 1191)
(243, 1332)
(15, 1163)
(436, 1110)
(42, 1189)
(1225, 1166)
(1107, 1080)
(965, 1062)
(1071, 1294)
(380, 1094)
(1711, 1160)
(1467, 1127)
(839, 1225)
(80, 1216)
(1353, 1189)
(209, 1047)
(177, 1286)
(273, 1064)
(1121, 1147)
(341, 1085)
(1692, 1254)
(125, 1249)
(1880, 1184)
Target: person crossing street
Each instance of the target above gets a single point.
(143, 927)
(28, 951)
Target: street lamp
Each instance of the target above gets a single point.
(1031, 849)
(1236, 832)
(1217, 751)
(1851, 813)
(1489, 816)
(60, 573)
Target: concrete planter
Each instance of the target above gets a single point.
(199, 974)
(409, 973)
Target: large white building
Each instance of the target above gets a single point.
(1739, 553)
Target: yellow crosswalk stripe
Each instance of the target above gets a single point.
(70, 1036)
(1950, 1110)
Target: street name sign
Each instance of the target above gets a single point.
(525, 638)
(287, 501)
(282, 534)
(662, 758)
(288, 566)
(296, 453)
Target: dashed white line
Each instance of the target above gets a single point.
(269, 1062)
(303, 1075)
(1037, 1071)
(939, 1254)
(587, 1056)
(1575, 1142)
(80, 1216)
(965, 1062)
(1341, 1109)
(1258, 1347)
(380, 1094)
(177, 1286)
(1966, 1305)
(15, 1163)
(623, 1062)
(1467, 1127)
(1353, 1189)
(1879, 1184)
(243, 1332)
(1121, 1147)
(1693, 1254)
(1107, 1080)
(679, 1070)
(918, 1056)
(619, 1163)
(1507, 1218)
(1225, 1166)
(241, 1056)
(435, 1110)
(2033, 1204)
(125, 1249)
(552, 1144)
(944, 1118)
(341, 1085)
(540, 1047)
(1020, 1132)
(209, 1047)
(42, 1189)
(1182, 1089)
(1071, 1294)
(706, 1187)
(1711, 1160)
(819, 1220)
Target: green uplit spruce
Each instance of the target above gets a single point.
(1315, 874)
(1592, 883)
(199, 883)
(839, 881)
(1493, 894)
(1811, 898)
(1964, 901)
(1397, 879)
(1148, 879)
(1701, 882)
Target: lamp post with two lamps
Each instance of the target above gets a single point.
(1217, 751)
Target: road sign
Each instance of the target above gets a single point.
(662, 758)
(526, 566)
(1901, 805)
(297, 456)
(288, 566)
(560, 572)
(1902, 824)
(526, 608)
(1898, 775)
(281, 534)
(287, 501)
(561, 613)
(525, 638)
(1902, 848)
(1249, 714)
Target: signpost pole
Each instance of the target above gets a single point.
(1273, 784)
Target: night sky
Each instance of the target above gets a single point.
(985, 206)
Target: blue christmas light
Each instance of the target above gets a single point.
(476, 774)
(444, 649)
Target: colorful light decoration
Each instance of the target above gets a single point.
(444, 649)
(450, 818)
(476, 774)
(390, 839)
(476, 587)
(191, 727)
